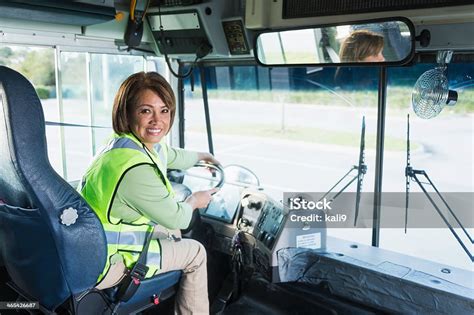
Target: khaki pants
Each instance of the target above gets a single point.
(187, 255)
(190, 256)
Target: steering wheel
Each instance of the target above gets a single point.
(216, 169)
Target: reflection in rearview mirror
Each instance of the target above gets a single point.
(383, 42)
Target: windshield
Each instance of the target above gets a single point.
(299, 129)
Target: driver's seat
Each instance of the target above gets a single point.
(50, 258)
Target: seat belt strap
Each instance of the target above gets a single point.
(132, 280)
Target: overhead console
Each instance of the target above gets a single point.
(190, 29)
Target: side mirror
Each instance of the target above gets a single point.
(386, 42)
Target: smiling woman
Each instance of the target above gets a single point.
(149, 94)
(152, 109)
(150, 119)
(127, 187)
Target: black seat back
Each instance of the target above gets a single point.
(46, 258)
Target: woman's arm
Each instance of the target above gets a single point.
(142, 193)
(183, 159)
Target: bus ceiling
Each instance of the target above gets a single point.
(192, 30)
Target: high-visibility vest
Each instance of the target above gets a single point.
(99, 186)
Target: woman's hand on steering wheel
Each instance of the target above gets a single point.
(197, 200)
(208, 157)
(200, 199)
(209, 162)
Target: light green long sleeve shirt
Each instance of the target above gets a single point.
(142, 193)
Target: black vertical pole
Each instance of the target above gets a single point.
(231, 76)
(181, 107)
(270, 84)
(379, 155)
(257, 79)
(206, 109)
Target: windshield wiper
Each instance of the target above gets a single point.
(411, 173)
(361, 168)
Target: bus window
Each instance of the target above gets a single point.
(107, 73)
(442, 146)
(37, 64)
(87, 83)
(298, 129)
(75, 110)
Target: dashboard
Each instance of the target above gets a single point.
(262, 223)
(224, 204)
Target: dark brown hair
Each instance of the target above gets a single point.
(360, 45)
(129, 94)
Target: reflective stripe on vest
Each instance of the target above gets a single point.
(125, 143)
(99, 186)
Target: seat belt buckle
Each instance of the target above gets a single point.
(139, 271)
(131, 282)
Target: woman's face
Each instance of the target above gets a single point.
(150, 119)
(374, 58)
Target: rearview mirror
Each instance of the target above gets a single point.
(369, 42)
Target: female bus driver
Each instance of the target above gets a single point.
(126, 185)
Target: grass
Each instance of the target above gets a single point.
(335, 98)
(400, 98)
(397, 98)
(310, 135)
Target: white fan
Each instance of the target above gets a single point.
(431, 92)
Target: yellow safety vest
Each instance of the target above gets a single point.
(99, 186)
